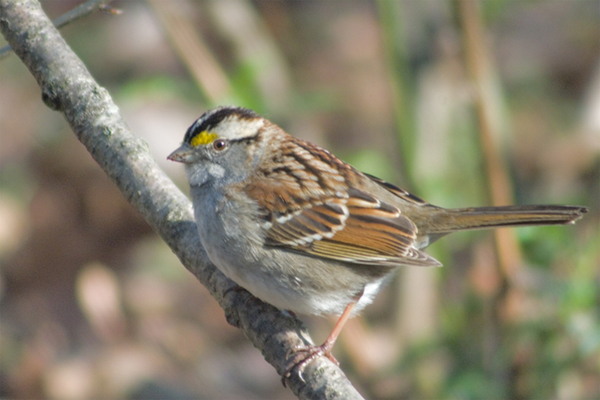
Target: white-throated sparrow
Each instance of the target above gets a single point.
(306, 232)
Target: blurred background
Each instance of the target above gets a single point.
(463, 103)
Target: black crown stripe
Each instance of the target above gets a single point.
(212, 118)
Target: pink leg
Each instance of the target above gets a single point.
(305, 354)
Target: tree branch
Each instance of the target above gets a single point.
(78, 12)
(68, 87)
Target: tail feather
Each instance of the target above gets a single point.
(450, 220)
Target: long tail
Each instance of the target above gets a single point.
(450, 220)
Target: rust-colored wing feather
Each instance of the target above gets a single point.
(327, 216)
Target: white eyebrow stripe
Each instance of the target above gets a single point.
(233, 128)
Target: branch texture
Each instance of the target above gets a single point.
(78, 12)
(68, 87)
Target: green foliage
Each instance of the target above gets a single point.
(247, 91)
(159, 87)
(371, 162)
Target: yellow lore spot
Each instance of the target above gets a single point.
(203, 137)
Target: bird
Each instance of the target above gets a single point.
(308, 233)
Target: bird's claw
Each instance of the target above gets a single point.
(304, 355)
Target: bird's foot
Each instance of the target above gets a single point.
(304, 355)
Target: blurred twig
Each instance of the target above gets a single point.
(487, 103)
(255, 48)
(192, 50)
(80, 11)
(394, 39)
(68, 87)
(499, 189)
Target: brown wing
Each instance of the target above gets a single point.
(374, 233)
(329, 218)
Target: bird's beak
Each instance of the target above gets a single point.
(183, 154)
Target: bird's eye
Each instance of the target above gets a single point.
(220, 144)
